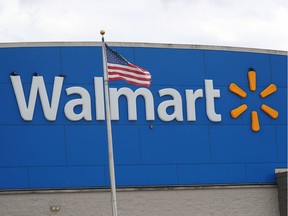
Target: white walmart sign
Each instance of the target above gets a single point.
(50, 108)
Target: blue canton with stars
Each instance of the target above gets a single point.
(114, 57)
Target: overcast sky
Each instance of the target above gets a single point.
(241, 23)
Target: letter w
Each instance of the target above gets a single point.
(38, 85)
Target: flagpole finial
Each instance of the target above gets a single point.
(102, 32)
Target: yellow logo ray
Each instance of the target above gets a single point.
(269, 111)
(255, 121)
(235, 113)
(237, 90)
(269, 90)
(252, 79)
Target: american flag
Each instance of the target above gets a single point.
(120, 69)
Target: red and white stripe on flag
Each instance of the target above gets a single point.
(130, 73)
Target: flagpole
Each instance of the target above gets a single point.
(109, 129)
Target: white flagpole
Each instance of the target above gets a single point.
(109, 129)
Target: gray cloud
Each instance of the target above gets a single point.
(245, 23)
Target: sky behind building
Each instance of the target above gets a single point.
(245, 23)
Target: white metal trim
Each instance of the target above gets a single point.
(147, 45)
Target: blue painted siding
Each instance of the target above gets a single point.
(66, 177)
(212, 174)
(14, 178)
(65, 154)
(31, 145)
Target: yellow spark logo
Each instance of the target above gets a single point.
(235, 113)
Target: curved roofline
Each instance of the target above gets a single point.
(139, 44)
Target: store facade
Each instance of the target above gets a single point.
(213, 117)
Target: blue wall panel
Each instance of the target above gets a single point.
(232, 145)
(80, 64)
(212, 174)
(262, 173)
(9, 106)
(281, 134)
(89, 141)
(225, 67)
(279, 70)
(69, 177)
(26, 61)
(126, 144)
(185, 66)
(66, 154)
(14, 178)
(143, 175)
(32, 145)
(164, 140)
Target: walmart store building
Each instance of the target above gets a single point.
(196, 145)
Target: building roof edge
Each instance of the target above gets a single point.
(139, 44)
